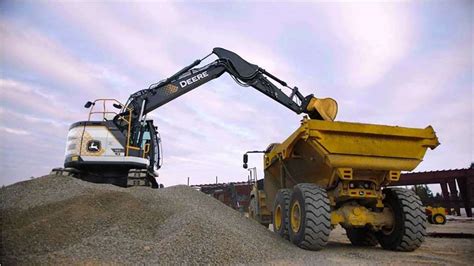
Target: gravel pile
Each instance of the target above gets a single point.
(55, 219)
(63, 220)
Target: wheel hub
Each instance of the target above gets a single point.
(277, 217)
(295, 217)
(388, 230)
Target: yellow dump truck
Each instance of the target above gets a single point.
(334, 173)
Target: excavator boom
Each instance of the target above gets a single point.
(243, 72)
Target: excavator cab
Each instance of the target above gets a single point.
(102, 153)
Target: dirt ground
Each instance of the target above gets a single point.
(434, 251)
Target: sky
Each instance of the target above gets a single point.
(407, 63)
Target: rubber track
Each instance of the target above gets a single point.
(318, 217)
(415, 220)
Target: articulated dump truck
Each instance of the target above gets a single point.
(335, 173)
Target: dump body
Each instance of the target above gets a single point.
(324, 153)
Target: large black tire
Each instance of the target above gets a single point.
(409, 228)
(280, 212)
(362, 237)
(310, 217)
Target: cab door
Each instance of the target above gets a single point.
(150, 145)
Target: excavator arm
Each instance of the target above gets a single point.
(243, 72)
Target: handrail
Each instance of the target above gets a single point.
(104, 112)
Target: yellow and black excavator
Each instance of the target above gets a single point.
(124, 147)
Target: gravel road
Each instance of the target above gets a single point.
(63, 220)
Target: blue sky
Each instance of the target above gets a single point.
(398, 63)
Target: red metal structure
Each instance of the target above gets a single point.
(238, 192)
(234, 194)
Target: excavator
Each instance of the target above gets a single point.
(123, 147)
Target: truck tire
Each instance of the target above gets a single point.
(409, 228)
(439, 219)
(280, 212)
(310, 217)
(362, 237)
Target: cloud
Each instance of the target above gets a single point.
(49, 62)
(374, 38)
(417, 86)
(28, 98)
(148, 43)
(35, 52)
(430, 77)
(14, 131)
(132, 44)
(29, 146)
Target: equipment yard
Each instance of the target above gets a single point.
(62, 220)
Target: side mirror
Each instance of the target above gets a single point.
(246, 159)
(88, 104)
(118, 106)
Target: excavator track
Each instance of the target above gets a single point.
(135, 177)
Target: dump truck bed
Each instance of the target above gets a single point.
(321, 152)
(358, 145)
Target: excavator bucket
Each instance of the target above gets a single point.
(326, 107)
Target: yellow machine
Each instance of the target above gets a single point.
(334, 173)
(436, 215)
